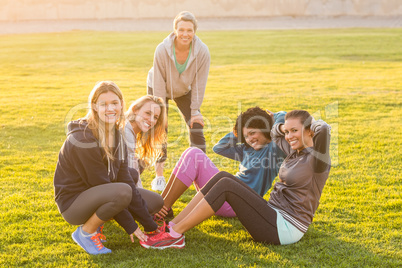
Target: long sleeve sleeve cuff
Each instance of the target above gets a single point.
(195, 112)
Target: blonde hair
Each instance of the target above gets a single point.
(149, 144)
(98, 128)
(185, 16)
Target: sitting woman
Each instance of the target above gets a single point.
(145, 133)
(293, 201)
(92, 182)
(249, 143)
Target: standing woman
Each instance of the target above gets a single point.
(180, 73)
(92, 182)
(285, 218)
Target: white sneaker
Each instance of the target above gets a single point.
(158, 184)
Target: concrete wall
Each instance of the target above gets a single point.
(19, 10)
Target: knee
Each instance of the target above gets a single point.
(191, 154)
(154, 201)
(158, 204)
(134, 174)
(194, 152)
(222, 174)
(197, 127)
(224, 182)
(187, 151)
(124, 193)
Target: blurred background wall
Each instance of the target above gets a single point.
(21, 10)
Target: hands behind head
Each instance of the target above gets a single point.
(271, 114)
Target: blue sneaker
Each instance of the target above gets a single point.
(91, 244)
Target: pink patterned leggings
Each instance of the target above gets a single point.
(194, 166)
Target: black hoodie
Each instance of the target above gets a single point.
(83, 164)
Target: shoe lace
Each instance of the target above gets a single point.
(160, 236)
(162, 228)
(100, 232)
(161, 225)
(160, 221)
(96, 241)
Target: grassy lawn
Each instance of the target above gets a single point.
(350, 78)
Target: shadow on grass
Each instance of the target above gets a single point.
(229, 245)
(218, 242)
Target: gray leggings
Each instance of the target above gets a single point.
(107, 200)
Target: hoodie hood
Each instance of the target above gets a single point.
(196, 45)
(76, 126)
(81, 135)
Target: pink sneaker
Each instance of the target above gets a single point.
(161, 229)
(164, 240)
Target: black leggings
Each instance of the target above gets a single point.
(252, 210)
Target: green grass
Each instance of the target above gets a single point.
(350, 78)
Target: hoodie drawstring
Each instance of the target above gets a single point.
(121, 156)
(171, 85)
(121, 148)
(108, 165)
(196, 78)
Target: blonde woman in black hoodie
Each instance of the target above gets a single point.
(92, 182)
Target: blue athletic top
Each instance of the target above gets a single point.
(257, 169)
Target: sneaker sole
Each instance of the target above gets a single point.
(78, 242)
(170, 246)
(160, 189)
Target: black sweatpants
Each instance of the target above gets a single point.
(196, 133)
(252, 210)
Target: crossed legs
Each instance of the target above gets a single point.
(194, 166)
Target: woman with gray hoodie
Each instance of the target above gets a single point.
(180, 73)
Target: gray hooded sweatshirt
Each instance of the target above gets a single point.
(163, 76)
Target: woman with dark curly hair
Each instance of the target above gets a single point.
(249, 143)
